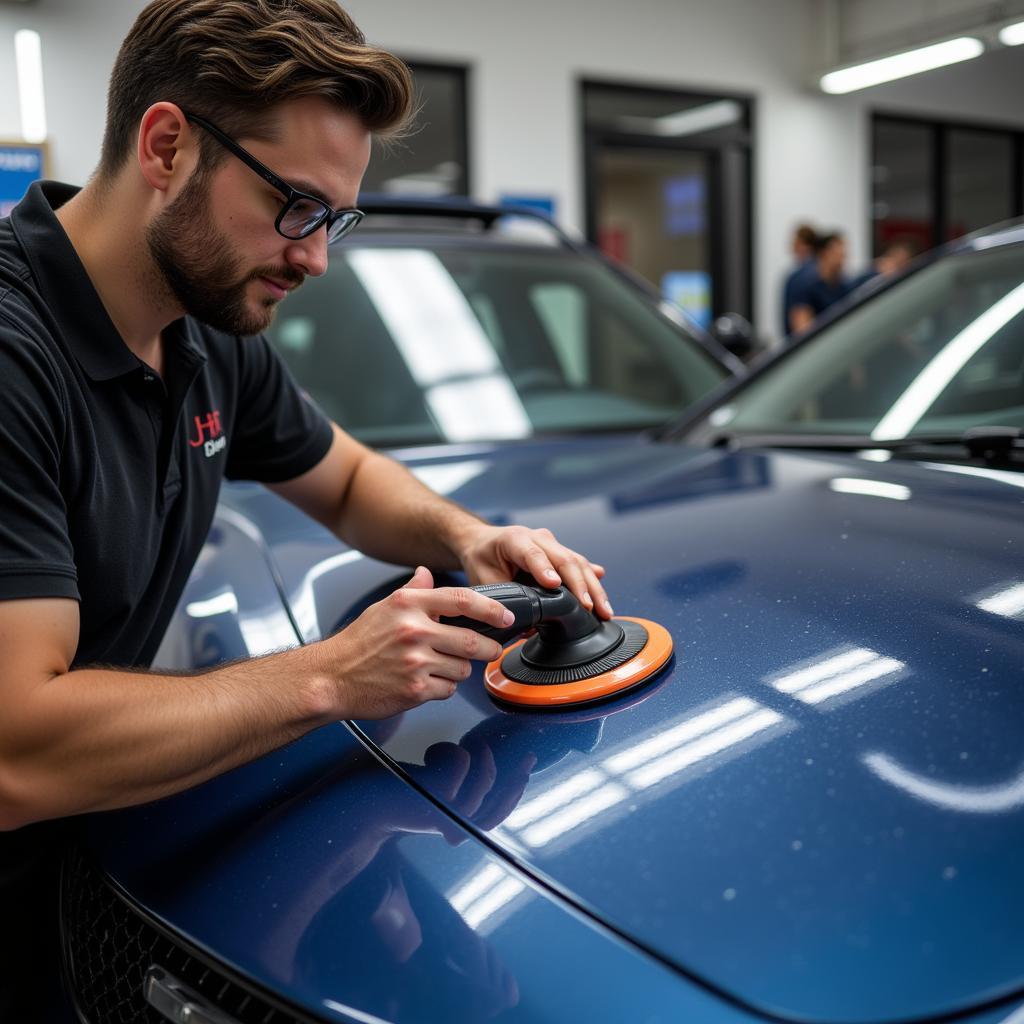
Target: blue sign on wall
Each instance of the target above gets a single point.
(20, 165)
(542, 204)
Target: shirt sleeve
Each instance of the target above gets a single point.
(279, 433)
(36, 554)
(801, 289)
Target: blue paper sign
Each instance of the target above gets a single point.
(542, 204)
(20, 165)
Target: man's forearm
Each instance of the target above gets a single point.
(388, 514)
(96, 739)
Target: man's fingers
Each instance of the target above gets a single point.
(535, 561)
(453, 668)
(460, 642)
(456, 601)
(422, 579)
(573, 578)
(602, 605)
(582, 578)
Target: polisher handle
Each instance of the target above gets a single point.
(522, 601)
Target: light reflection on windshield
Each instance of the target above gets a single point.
(936, 377)
(405, 345)
(462, 381)
(939, 352)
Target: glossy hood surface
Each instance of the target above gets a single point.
(818, 808)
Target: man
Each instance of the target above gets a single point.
(823, 284)
(130, 311)
(804, 240)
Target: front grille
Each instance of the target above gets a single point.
(109, 945)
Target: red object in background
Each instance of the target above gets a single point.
(614, 243)
(919, 232)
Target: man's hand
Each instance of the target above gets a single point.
(397, 655)
(494, 554)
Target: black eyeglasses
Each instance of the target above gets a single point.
(302, 213)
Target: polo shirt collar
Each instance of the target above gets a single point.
(65, 286)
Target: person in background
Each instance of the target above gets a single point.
(893, 258)
(823, 284)
(804, 240)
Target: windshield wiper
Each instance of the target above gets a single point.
(993, 445)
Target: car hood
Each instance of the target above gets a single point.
(818, 808)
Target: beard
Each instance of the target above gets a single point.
(203, 271)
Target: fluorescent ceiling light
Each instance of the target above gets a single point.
(704, 118)
(900, 65)
(28, 56)
(1012, 35)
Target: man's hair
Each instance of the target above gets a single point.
(826, 239)
(805, 234)
(232, 61)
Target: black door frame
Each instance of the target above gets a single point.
(939, 131)
(593, 139)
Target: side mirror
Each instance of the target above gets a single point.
(734, 333)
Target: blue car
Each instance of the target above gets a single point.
(813, 811)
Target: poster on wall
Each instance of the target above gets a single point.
(690, 290)
(21, 163)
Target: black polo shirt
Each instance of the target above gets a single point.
(109, 474)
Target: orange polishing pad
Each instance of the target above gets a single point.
(645, 664)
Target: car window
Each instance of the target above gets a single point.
(942, 351)
(563, 315)
(408, 345)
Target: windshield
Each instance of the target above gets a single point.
(407, 345)
(938, 353)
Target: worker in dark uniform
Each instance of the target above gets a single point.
(821, 285)
(135, 378)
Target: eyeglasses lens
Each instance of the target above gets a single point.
(343, 225)
(302, 217)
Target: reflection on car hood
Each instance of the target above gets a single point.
(819, 807)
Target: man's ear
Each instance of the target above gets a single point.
(167, 146)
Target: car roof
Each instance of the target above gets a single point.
(1009, 232)
(461, 220)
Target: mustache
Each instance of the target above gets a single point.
(288, 275)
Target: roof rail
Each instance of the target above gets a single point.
(457, 207)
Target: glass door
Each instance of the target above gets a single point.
(668, 192)
(653, 214)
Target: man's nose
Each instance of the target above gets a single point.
(309, 254)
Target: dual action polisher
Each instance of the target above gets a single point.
(574, 657)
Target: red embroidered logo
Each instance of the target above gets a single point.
(208, 433)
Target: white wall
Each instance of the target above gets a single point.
(526, 59)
